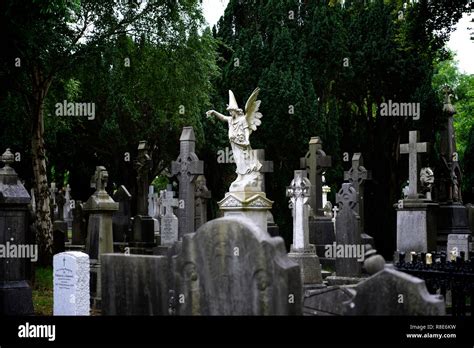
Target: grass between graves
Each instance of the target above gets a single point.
(43, 291)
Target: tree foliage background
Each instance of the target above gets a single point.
(323, 68)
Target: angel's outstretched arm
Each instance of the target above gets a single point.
(219, 115)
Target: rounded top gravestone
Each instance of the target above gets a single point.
(232, 267)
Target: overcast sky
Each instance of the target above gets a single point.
(459, 41)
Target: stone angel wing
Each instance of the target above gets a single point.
(251, 111)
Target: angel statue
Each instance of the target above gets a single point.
(241, 125)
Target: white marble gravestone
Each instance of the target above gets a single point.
(71, 284)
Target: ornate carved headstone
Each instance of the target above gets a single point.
(232, 267)
(301, 251)
(348, 249)
(187, 167)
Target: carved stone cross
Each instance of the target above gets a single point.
(356, 176)
(315, 162)
(168, 202)
(299, 193)
(413, 149)
(187, 167)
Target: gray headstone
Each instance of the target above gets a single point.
(301, 251)
(187, 167)
(390, 292)
(232, 267)
(202, 195)
(347, 232)
(142, 166)
(71, 284)
(169, 221)
(315, 162)
(134, 285)
(121, 218)
(15, 292)
(413, 149)
(79, 226)
(356, 176)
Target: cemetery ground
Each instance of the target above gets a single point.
(43, 291)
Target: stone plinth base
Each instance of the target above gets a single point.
(416, 225)
(15, 298)
(321, 233)
(252, 205)
(451, 219)
(309, 265)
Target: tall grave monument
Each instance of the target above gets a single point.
(321, 227)
(246, 197)
(452, 217)
(15, 292)
(357, 176)
(416, 220)
(301, 250)
(143, 225)
(99, 230)
(187, 167)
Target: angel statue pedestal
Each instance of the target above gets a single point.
(245, 196)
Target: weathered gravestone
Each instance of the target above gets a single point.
(321, 228)
(348, 250)
(390, 292)
(357, 176)
(202, 195)
(301, 251)
(232, 267)
(52, 201)
(79, 224)
(60, 229)
(134, 285)
(187, 167)
(99, 234)
(416, 221)
(67, 210)
(121, 218)
(152, 208)
(15, 292)
(71, 283)
(169, 221)
(143, 226)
